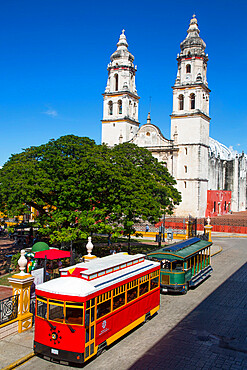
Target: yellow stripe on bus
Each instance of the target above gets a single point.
(125, 330)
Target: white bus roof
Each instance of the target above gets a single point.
(84, 283)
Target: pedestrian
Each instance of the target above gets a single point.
(147, 228)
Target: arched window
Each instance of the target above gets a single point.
(120, 108)
(181, 102)
(192, 101)
(116, 82)
(188, 68)
(110, 108)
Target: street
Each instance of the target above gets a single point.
(204, 329)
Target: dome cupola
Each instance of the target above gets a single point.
(122, 53)
(193, 45)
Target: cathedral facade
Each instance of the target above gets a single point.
(211, 178)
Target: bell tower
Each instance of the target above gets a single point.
(190, 123)
(120, 112)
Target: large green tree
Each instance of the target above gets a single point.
(79, 187)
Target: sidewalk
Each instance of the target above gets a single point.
(15, 347)
(215, 249)
(216, 234)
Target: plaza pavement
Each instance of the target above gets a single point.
(193, 338)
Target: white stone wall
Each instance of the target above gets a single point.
(190, 129)
(118, 132)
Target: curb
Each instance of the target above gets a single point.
(229, 236)
(220, 250)
(19, 362)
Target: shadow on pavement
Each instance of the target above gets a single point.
(212, 336)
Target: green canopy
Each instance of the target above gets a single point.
(40, 246)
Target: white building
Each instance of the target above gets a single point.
(210, 176)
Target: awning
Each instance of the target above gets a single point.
(52, 254)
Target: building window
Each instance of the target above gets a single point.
(130, 108)
(134, 111)
(120, 107)
(116, 82)
(186, 151)
(181, 102)
(113, 124)
(214, 210)
(192, 101)
(185, 169)
(188, 68)
(110, 108)
(185, 184)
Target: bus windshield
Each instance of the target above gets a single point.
(60, 311)
(177, 266)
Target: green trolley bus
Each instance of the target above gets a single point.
(183, 265)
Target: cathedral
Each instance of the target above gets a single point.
(211, 178)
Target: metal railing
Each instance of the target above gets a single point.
(8, 309)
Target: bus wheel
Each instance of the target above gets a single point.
(101, 348)
(100, 351)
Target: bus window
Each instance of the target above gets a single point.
(131, 294)
(177, 265)
(74, 315)
(42, 309)
(118, 301)
(103, 308)
(56, 312)
(154, 283)
(166, 265)
(92, 314)
(143, 288)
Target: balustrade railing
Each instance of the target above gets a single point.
(8, 309)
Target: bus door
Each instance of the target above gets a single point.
(89, 329)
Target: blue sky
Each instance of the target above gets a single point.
(54, 56)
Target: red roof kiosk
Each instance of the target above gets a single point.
(93, 304)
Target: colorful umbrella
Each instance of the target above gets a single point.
(52, 254)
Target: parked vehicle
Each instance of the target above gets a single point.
(93, 304)
(183, 265)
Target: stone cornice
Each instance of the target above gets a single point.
(125, 67)
(124, 119)
(192, 144)
(191, 114)
(193, 179)
(191, 86)
(162, 148)
(121, 93)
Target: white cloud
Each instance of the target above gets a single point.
(51, 112)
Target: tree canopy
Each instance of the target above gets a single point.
(79, 187)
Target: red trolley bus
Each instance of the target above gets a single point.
(94, 303)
